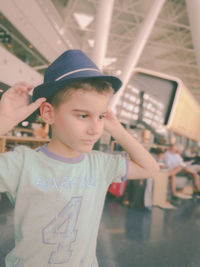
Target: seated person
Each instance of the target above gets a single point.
(158, 154)
(175, 164)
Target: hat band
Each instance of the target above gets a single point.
(75, 71)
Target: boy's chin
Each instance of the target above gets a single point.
(84, 149)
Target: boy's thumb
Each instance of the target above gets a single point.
(35, 105)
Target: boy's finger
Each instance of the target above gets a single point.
(19, 88)
(23, 84)
(23, 88)
(35, 105)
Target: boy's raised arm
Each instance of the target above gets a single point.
(142, 164)
(14, 106)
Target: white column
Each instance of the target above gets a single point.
(193, 9)
(137, 48)
(103, 20)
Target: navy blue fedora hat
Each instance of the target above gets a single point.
(69, 67)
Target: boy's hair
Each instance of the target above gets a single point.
(157, 150)
(93, 84)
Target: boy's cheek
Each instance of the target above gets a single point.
(103, 125)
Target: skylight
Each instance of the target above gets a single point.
(83, 20)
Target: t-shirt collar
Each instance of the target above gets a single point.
(60, 158)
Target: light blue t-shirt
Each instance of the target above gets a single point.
(58, 204)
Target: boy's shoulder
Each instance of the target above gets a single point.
(104, 155)
(95, 154)
(18, 154)
(99, 153)
(22, 149)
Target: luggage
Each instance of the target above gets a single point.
(117, 189)
(140, 193)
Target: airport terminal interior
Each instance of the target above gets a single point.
(153, 46)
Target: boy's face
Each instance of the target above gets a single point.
(79, 121)
(160, 156)
(173, 148)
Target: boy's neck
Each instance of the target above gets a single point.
(62, 150)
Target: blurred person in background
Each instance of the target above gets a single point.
(175, 163)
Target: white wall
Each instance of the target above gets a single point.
(13, 70)
(40, 23)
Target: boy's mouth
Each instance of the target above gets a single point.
(89, 142)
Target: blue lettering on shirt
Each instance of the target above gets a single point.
(67, 182)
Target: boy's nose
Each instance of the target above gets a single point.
(94, 128)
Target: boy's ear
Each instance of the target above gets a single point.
(47, 112)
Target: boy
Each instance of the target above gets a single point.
(58, 190)
(159, 157)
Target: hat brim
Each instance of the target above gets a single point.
(50, 88)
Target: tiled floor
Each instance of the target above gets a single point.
(6, 228)
(138, 238)
(156, 238)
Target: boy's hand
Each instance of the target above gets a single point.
(111, 123)
(14, 106)
(141, 163)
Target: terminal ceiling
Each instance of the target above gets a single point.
(169, 49)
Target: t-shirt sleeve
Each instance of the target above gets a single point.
(116, 168)
(10, 170)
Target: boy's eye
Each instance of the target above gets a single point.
(83, 116)
(101, 117)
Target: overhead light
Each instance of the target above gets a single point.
(25, 123)
(91, 42)
(59, 41)
(83, 20)
(40, 67)
(161, 130)
(146, 96)
(118, 72)
(61, 31)
(133, 89)
(109, 60)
